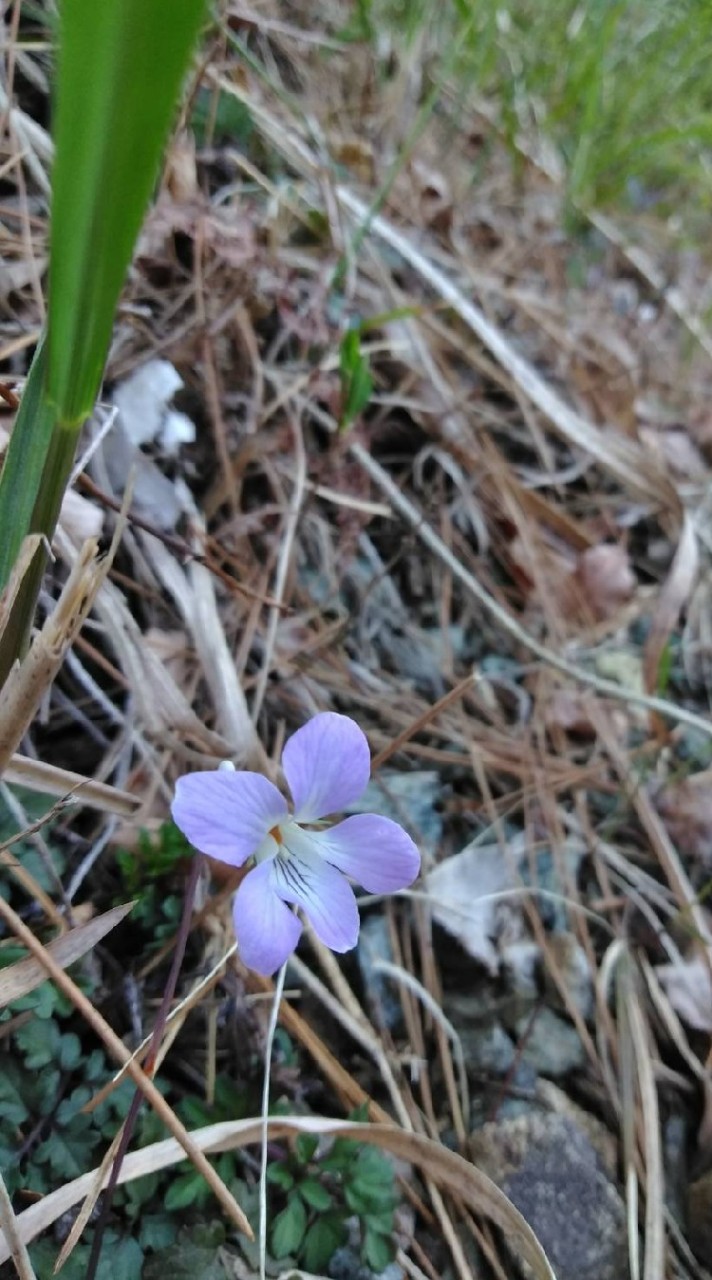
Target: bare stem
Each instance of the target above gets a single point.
(274, 1017)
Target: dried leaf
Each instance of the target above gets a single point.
(50, 780)
(605, 580)
(465, 892)
(29, 679)
(568, 710)
(162, 705)
(675, 450)
(686, 809)
(449, 1171)
(20, 978)
(688, 986)
(591, 588)
(80, 517)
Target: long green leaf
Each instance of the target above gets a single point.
(24, 463)
(120, 67)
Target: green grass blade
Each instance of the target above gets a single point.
(120, 68)
(24, 464)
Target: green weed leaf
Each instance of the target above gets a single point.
(68, 1152)
(356, 380)
(157, 1231)
(315, 1195)
(305, 1147)
(13, 1106)
(377, 1250)
(188, 1189)
(289, 1228)
(39, 1042)
(120, 68)
(278, 1174)
(321, 1241)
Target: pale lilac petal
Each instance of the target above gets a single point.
(225, 814)
(377, 853)
(267, 931)
(326, 898)
(327, 764)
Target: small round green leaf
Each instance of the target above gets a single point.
(289, 1228)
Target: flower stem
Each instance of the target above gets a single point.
(274, 1015)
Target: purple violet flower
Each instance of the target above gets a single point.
(233, 815)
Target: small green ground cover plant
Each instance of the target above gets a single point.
(322, 1191)
(50, 1070)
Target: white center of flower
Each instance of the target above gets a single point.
(274, 844)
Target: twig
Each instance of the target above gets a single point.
(285, 555)
(50, 780)
(8, 1222)
(180, 548)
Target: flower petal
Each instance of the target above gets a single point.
(377, 853)
(227, 815)
(327, 764)
(267, 931)
(302, 877)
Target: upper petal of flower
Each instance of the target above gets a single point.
(302, 877)
(227, 815)
(327, 764)
(267, 931)
(377, 853)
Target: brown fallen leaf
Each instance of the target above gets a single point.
(605, 580)
(592, 586)
(449, 1171)
(686, 809)
(20, 978)
(570, 710)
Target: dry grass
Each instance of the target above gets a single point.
(434, 571)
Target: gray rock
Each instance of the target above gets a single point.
(488, 1049)
(573, 969)
(550, 1045)
(347, 1265)
(604, 1143)
(550, 1170)
(374, 944)
(505, 1100)
(553, 874)
(699, 1219)
(408, 798)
